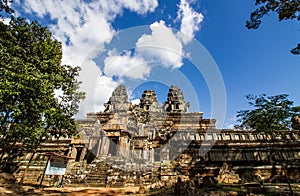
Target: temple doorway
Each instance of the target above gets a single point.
(113, 146)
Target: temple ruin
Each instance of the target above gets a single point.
(151, 145)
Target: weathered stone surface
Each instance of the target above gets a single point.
(296, 122)
(149, 101)
(118, 100)
(226, 175)
(176, 102)
(253, 187)
(6, 179)
(249, 177)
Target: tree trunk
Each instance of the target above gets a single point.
(28, 165)
(9, 156)
(287, 178)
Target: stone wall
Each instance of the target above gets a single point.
(255, 156)
(37, 166)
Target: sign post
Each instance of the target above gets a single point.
(56, 165)
(44, 173)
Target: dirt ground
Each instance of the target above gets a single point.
(69, 191)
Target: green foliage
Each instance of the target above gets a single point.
(38, 95)
(4, 7)
(285, 10)
(270, 113)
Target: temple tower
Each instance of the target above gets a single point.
(176, 102)
(118, 100)
(149, 102)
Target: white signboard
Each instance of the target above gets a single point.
(56, 166)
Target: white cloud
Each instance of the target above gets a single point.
(102, 92)
(92, 71)
(35, 7)
(126, 66)
(84, 27)
(190, 21)
(230, 122)
(140, 6)
(162, 45)
(5, 20)
(79, 26)
(135, 101)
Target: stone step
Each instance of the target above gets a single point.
(95, 184)
(95, 181)
(97, 175)
(96, 178)
(103, 168)
(97, 171)
(116, 185)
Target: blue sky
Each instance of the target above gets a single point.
(249, 61)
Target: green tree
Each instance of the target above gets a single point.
(4, 7)
(38, 96)
(270, 113)
(285, 10)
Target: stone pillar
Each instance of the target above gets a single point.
(146, 153)
(165, 153)
(104, 146)
(128, 148)
(73, 152)
(98, 154)
(168, 152)
(122, 142)
(83, 153)
(94, 145)
(151, 154)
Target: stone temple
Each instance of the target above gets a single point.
(145, 132)
(151, 145)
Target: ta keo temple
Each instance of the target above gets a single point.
(152, 145)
